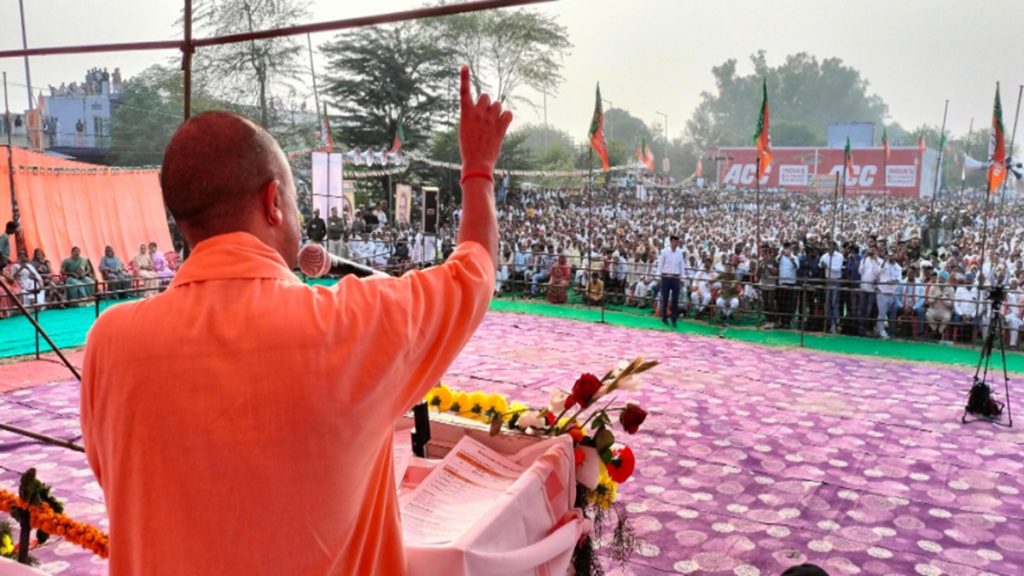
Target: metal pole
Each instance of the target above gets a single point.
(757, 200)
(186, 61)
(963, 167)
(938, 164)
(842, 207)
(1013, 138)
(24, 45)
(590, 213)
(835, 206)
(17, 302)
(35, 312)
(312, 73)
(42, 437)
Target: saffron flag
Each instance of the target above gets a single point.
(644, 155)
(996, 148)
(700, 168)
(885, 144)
(848, 156)
(325, 133)
(921, 146)
(597, 141)
(763, 137)
(396, 145)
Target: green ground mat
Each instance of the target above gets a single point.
(69, 327)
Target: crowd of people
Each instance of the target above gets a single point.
(867, 265)
(37, 283)
(97, 81)
(870, 266)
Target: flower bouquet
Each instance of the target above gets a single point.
(586, 413)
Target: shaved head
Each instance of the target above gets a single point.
(222, 173)
(214, 167)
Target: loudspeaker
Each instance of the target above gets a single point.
(430, 210)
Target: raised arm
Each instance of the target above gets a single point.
(482, 127)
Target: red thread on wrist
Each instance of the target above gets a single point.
(469, 175)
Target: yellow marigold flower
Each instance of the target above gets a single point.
(498, 403)
(443, 398)
(515, 408)
(460, 402)
(6, 545)
(479, 402)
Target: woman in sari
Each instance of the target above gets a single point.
(114, 272)
(143, 265)
(54, 289)
(559, 283)
(163, 271)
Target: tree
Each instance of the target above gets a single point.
(794, 134)
(802, 91)
(507, 50)
(149, 111)
(249, 72)
(622, 127)
(384, 76)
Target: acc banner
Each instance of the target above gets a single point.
(907, 173)
(328, 184)
(403, 203)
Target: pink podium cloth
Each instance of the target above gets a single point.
(530, 529)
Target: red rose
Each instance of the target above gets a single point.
(570, 401)
(549, 418)
(576, 433)
(579, 455)
(622, 465)
(585, 389)
(632, 417)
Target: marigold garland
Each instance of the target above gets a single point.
(45, 519)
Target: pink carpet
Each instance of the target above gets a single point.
(753, 458)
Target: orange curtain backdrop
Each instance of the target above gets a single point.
(84, 205)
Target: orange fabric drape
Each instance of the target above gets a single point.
(89, 209)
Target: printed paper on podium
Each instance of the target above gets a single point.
(481, 512)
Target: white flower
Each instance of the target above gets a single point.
(531, 419)
(556, 403)
(630, 383)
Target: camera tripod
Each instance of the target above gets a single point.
(980, 403)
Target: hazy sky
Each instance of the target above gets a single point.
(649, 55)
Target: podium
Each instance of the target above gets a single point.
(487, 505)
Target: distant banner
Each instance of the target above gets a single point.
(327, 182)
(403, 203)
(814, 169)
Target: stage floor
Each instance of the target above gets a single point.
(753, 458)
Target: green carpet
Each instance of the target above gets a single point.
(68, 329)
(894, 349)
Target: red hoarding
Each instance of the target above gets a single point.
(815, 169)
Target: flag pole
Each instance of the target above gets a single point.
(835, 206)
(842, 204)
(590, 212)
(963, 167)
(757, 200)
(1013, 138)
(938, 164)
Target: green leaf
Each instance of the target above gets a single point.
(604, 440)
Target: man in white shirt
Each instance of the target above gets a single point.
(889, 277)
(832, 262)
(787, 266)
(1012, 309)
(700, 295)
(965, 301)
(870, 267)
(670, 267)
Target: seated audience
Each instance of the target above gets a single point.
(79, 276)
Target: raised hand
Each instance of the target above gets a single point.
(482, 127)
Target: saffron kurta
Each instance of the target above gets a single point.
(241, 422)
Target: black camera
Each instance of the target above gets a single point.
(996, 295)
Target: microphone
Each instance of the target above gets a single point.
(315, 261)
